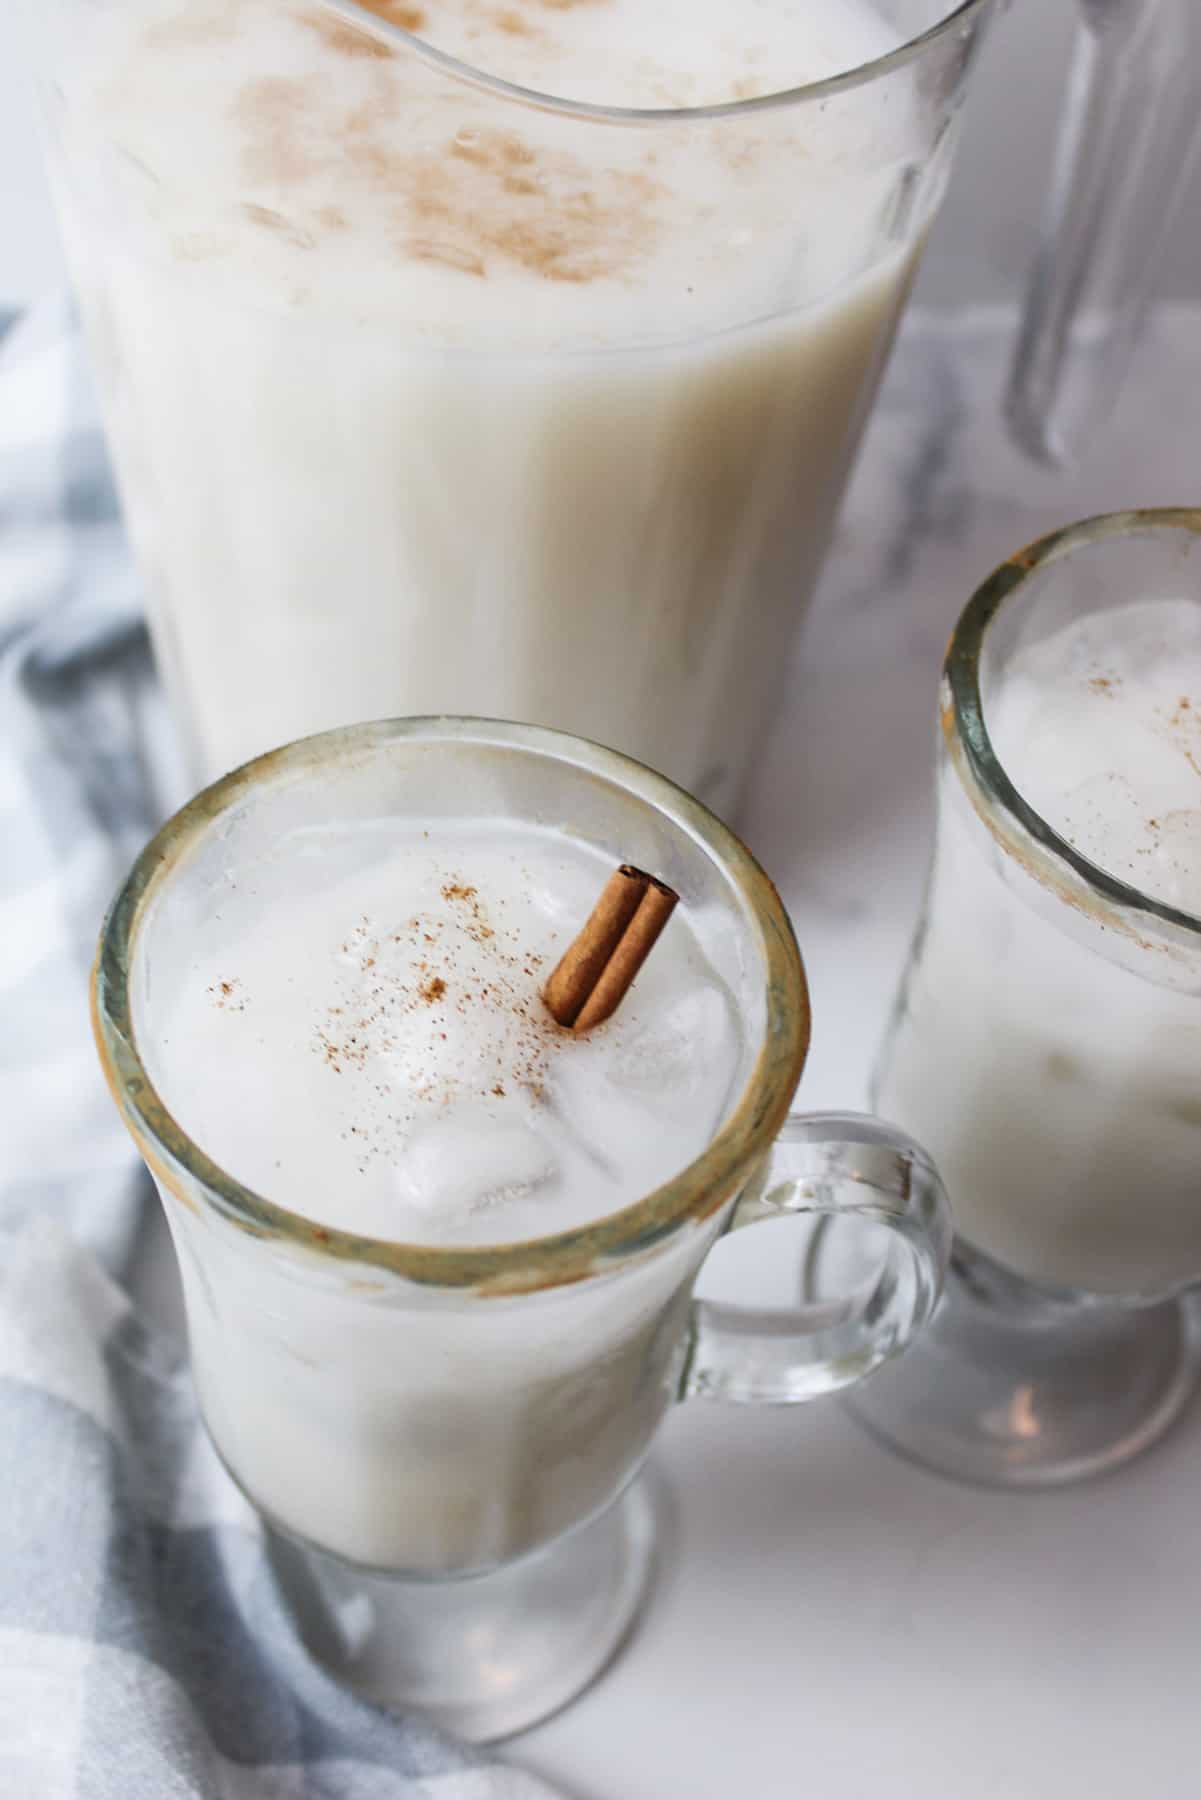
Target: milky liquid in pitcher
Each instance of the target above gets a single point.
(424, 402)
(375, 1053)
(1052, 1066)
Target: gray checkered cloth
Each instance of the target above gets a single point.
(145, 1652)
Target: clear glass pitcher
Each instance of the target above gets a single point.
(434, 391)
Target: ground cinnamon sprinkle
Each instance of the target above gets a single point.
(457, 955)
(349, 40)
(228, 995)
(478, 929)
(476, 201)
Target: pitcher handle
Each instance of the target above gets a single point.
(1128, 145)
(858, 1172)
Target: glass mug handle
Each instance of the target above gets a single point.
(842, 1168)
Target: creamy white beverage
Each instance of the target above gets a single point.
(350, 1023)
(1051, 1062)
(377, 1054)
(424, 401)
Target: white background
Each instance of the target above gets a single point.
(981, 245)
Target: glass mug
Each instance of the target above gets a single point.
(1046, 1044)
(446, 1442)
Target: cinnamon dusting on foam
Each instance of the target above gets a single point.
(426, 967)
(286, 228)
(274, 110)
(478, 201)
(349, 40)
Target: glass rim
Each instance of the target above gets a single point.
(522, 1265)
(1048, 856)
(961, 13)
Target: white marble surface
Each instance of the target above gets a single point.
(832, 1624)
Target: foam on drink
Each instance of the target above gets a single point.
(1049, 1062)
(342, 178)
(1099, 728)
(376, 1053)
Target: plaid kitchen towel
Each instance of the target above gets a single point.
(145, 1653)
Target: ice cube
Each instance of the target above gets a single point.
(670, 1057)
(471, 1156)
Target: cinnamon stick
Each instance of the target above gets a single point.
(594, 975)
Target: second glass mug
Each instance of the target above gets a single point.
(1046, 1043)
(430, 393)
(446, 1442)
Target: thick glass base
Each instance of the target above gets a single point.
(1012, 1387)
(488, 1655)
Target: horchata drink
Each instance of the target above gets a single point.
(378, 1052)
(453, 1046)
(355, 1028)
(1049, 1053)
(428, 399)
